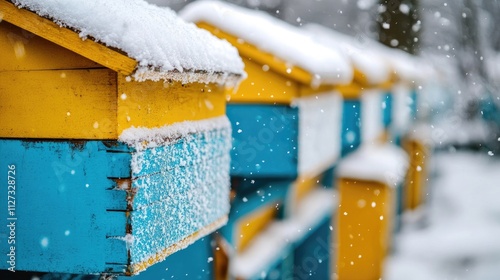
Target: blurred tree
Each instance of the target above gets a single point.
(398, 24)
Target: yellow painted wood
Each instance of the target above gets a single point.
(136, 268)
(251, 225)
(221, 258)
(247, 50)
(84, 103)
(58, 104)
(303, 186)
(387, 85)
(350, 91)
(416, 178)
(155, 104)
(264, 86)
(270, 79)
(66, 38)
(360, 78)
(363, 228)
(22, 50)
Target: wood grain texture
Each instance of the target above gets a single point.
(155, 104)
(23, 50)
(67, 38)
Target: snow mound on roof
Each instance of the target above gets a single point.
(385, 163)
(364, 59)
(163, 44)
(274, 36)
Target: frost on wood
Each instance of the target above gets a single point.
(276, 240)
(273, 36)
(164, 46)
(180, 185)
(141, 138)
(320, 119)
(384, 163)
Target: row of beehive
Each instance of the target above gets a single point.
(300, 109)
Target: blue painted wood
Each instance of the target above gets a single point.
(61, 206)
(387, 109)
(351, 125)
(72, 218)
(414, 104)
(281, 269)
(265, 140)
(194, 262)
(400, 200)
(246, 204)
(328, 178)
(312, 256)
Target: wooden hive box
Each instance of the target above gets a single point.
(367, 100)
(286, 115)
(368, 183)
(113, 163)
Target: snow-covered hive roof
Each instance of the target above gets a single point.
(384, 163)
(271, 35)
(375, 68)
(164, 46)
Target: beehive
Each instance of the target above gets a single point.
(120, 144)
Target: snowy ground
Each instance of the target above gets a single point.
(457, 235)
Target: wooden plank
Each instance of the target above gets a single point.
(61, 205)
(351, 91)
(247, 50)
(251, 225)
(316, 249)
(67, 38)
(264, 86)
(116, 250)
(155, 104)
(23, 50)
(196, 149)
(74, 104)
(193, 164)
(119, 165)
(351, 125)
(193, 262)
(302, 186)
(265, 140)
(248, 201)
(364, 225)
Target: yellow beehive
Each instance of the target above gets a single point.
(367, 180)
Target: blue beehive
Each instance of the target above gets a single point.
(114, 163)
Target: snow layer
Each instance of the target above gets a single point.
(457, 234)
(274, 241)
(142, 138)
(385, 163)
(401, 108)
(364, 59)
(453, 130)
(320, 119)
(271, 35)
(371, 116)
(161, 42)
